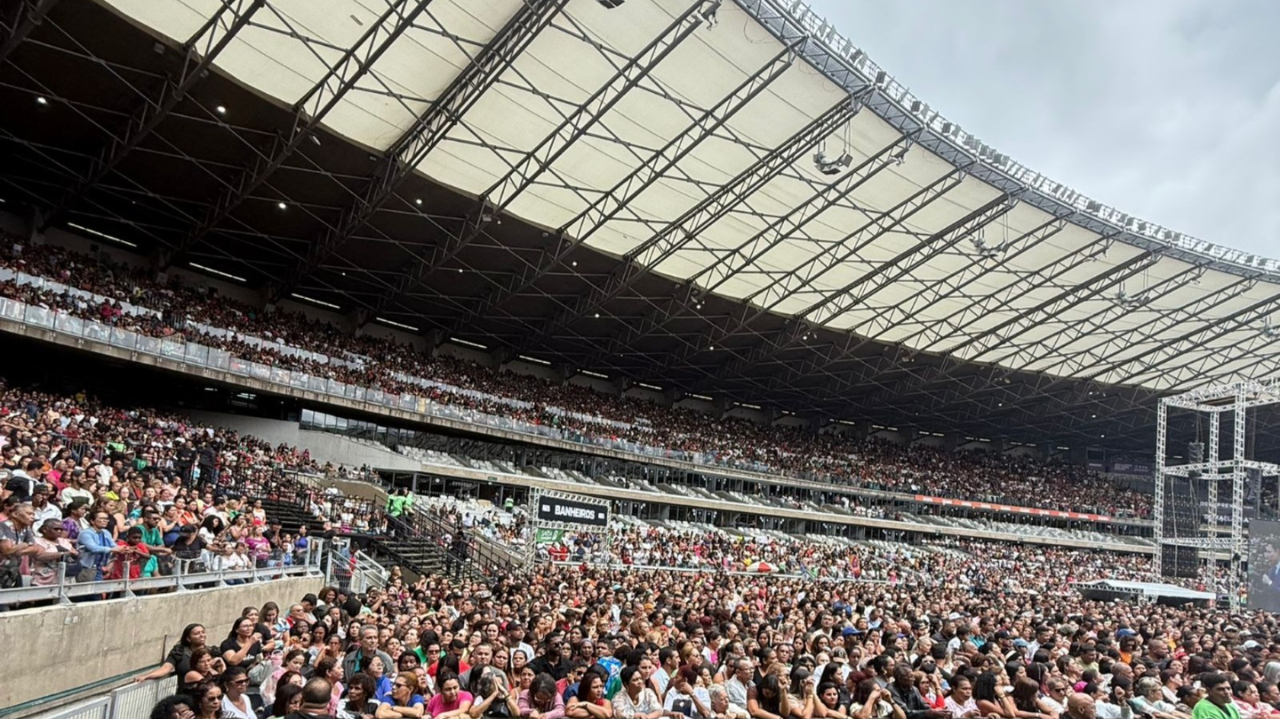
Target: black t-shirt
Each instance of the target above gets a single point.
(182, 550)
(254, 655)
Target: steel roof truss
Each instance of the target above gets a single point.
(27, 15)
(526, 171)
(308, 112)
(752, 249)
(959, 279)
(910, 259)
(403, 158)
(1202, 337)
(199, 53)
(800, 325)
(608, 205)
(680, 232)
(1099, 282)
(1083, 328)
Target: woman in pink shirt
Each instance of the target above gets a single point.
(451, 702)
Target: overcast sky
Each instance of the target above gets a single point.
(1166, 109)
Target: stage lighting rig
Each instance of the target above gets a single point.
(827, 166)
(709, 12)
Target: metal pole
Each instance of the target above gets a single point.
(1237, 499)
(1162, 420)
(62, 584)
(1215, 451)
(531, 551)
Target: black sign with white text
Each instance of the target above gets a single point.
(558, 509)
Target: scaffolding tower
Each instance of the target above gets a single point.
(1234, 400)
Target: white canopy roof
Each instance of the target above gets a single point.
(991, 263)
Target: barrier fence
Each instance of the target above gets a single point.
(188, 575)
(132, 701)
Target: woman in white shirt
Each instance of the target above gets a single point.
(235, 702)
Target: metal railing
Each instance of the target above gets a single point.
(132, 701)
(197, 355)
(66, 589)
(718, 571)
(367, 573)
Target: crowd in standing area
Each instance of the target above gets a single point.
(593, 643)
(581, 412)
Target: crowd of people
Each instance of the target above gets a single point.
(134, 299)
(596, 643)
(92, 492)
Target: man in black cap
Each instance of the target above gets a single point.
(1004, 644)
(43, 507)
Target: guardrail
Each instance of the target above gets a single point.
(718, 571)
(132, 701)
(65, 590)
(366, 573)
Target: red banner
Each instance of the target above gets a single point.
(1011, 508)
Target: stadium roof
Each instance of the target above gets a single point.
(711, 196)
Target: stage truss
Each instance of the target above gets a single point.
(537, 524)
(1236, 400)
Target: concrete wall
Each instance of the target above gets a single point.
(324, 446)
(649, 395)
(759, 416)
(65, 647)
(791, 420)
(601, 385)
(698, 405)
(469, 354)
(541, 371)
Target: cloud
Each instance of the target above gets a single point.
(1166, 109)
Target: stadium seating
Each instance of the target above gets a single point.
(131, 298)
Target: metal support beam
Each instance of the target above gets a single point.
(27, 16)
(884, 274)
(308, 112)
(1196, 308)
(578, 230)
(198, 55)
(430, 129)
(1200, 337)
(824, 355)
(680, 232)
(992, 338)
(781, 286)
(533, 164)
(730, 261)
(1238, 478)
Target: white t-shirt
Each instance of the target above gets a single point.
(229, 710)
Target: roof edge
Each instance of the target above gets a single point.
(849, 67)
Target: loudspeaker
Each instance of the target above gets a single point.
(1179, 562)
